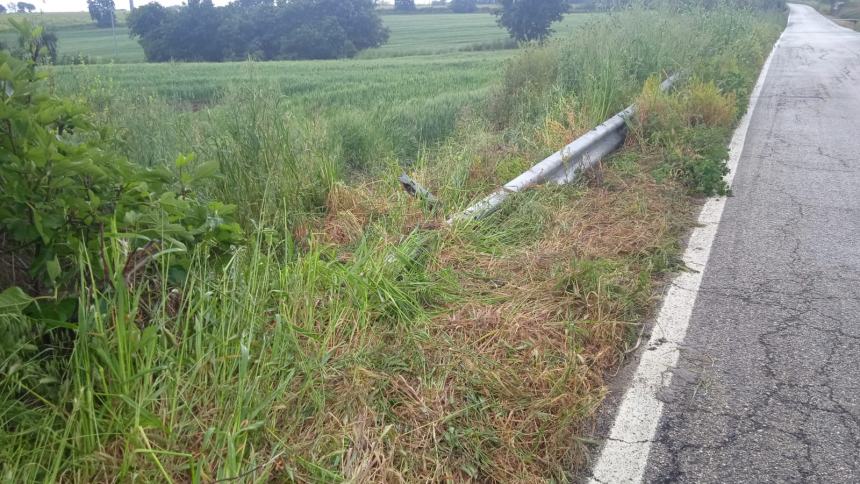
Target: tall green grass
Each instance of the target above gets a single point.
(720, 44)
(373, 111)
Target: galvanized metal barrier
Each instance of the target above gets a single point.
(562, 166)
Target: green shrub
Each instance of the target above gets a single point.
(703, 166)
(64, 191)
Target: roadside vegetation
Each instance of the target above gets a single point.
(845, 13)
(227, 282)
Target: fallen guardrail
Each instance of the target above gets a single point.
(562, 166)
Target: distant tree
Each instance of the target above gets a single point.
(253, 3)
(463, 6)
(26, 7)
(11, 7)
(297, 29)
(358, 18)
(102, 12)
(404, 5)
(144, 20)
(2, 9)
(530, 19)
(145, 24)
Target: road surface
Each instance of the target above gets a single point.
(765, 386)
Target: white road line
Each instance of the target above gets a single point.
(625, 453)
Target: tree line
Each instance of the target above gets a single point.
(23, 7)
(296, 29)
(260, 29)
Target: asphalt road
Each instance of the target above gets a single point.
(759, 380)
(767, 387)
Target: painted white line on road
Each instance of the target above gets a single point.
(625, 453)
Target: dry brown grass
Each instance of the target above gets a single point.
(515, 369)
(504, 383)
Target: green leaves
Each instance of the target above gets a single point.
(13, 300)
(65, 190)
(53, 268)
(205, 170)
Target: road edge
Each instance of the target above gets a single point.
(624, 455)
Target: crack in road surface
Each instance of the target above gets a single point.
(771, 356)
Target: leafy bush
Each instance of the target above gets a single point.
(703, 165)
(530, 19)
(35, 43)
(102, 12)
(64, 192)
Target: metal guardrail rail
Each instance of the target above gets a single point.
(562, 166)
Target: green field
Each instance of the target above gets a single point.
(390, 104)
(78, 36)
(56, 20)
(446, 32)
(410, 35)
(353, 83)
(99, 45)
(408, 93)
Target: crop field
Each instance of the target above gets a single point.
(446, 32)
(390, 104)
(98, 45)
(292, 315)
(364, 83)
(57, 21)
(79, 37)
(418, 34)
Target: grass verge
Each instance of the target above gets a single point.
(353, 336)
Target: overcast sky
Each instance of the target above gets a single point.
(81, 5)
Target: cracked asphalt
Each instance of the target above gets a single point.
(767, 388)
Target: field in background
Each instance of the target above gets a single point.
(97, 45)
(78, 36)
(378, 106)
(56, 20)
(418, 34)
(446, 32)
(365, 83)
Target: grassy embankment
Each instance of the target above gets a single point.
(419, 34)
(849, 10)
(354, 336)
